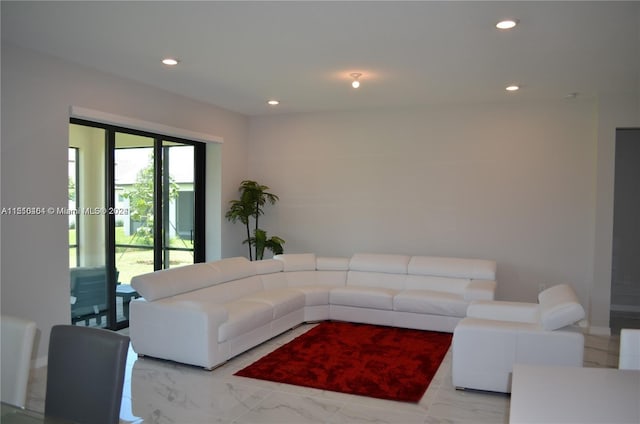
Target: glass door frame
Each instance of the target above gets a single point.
(110, 204)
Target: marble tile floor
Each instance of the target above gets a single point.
(162, 392)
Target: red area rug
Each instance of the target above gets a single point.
(361, 359)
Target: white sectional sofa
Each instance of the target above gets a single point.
(206, 313)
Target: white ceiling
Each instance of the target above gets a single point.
(239, 54)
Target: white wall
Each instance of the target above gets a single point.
(91, 193)
(36, 94)
(514, 182)
(526, 184)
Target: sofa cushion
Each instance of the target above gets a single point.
(244, 316)
(376, 262)
(331, 278)
(559, 307)
(283, 301)
(363, 297)
(430, 302)
(297, 261)
(480, 290)
(440, 284)
(277, 280)
(300, 278)
(480, 269)
(169, 282)
(315, 295)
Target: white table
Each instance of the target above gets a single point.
(555, 395)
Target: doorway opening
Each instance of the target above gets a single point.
(625, 269)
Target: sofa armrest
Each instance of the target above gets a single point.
(183, 331)
(480, 290)
(504, 311)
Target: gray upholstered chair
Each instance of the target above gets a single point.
(85, 374)
(17, 346)
(89, 292)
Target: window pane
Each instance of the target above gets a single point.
(178, 204)
(134, 186)
(87, 241)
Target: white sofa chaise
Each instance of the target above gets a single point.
(498, 334)
(206, 313)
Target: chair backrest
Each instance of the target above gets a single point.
(17, 345)
(89, 287)
(85, 374)
(629, 358)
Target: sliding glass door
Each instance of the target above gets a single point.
(89, 273)
(154, 203)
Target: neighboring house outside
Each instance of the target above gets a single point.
(129, 163)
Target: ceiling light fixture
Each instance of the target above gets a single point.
(355, 83)
(507, 24)
(512, 87)
(169, 61)
(273, 102)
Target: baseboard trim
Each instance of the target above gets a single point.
(599, 331)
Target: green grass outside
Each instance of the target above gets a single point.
(134, 261)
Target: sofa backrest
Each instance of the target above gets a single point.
(230, 269)
(449, 275)
(174, 281)
(169, 282)
(325, 263)
(559, 307)
(479, 269)
(435, 283)
(306, 269)
(268, 266)
(223, 293)
(297, 261)
(378, 270)
(270, 273)
(377, 262)
(331, 271)
(242, 276)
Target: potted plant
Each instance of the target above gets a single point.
(253, 198)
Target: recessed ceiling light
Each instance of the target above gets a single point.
(507, 24)
(355, 83)
(169, 61)
(273, 102)
(512, 87)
